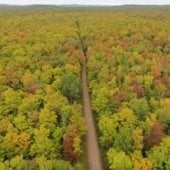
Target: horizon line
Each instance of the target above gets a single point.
(83, 4)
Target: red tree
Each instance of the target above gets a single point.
(68, 148)
(155, 135)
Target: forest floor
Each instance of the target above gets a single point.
(92, 143)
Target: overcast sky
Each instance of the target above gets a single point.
(109, 2)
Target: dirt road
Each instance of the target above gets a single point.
(92, 144)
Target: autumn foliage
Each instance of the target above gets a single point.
(154, 136)
(41, 121)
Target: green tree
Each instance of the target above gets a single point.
(12, 99)
(48, 119)
(118, 160)
(123, 140)
(148, 81)
(140, 107)
(43, 145)
(70, 86)
(163, 113)
(31, 103)
(58, 137)
(159, 155)
(22, 124)
(100, 99)
(107, 127)
(18, 163)
(45, 164)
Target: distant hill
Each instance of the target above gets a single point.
(2, 6)
(87, 6)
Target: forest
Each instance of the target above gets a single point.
(127, 55)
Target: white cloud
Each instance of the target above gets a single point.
(113, 2)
